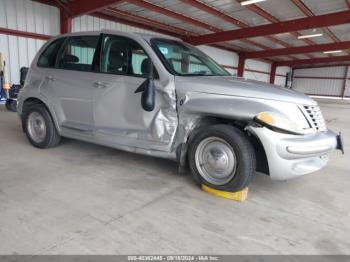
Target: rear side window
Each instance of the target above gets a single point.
(78, 53)
(48, 57)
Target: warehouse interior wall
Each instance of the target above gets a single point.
(323, 81)
(29, 16)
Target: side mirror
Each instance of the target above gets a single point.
(148, 97)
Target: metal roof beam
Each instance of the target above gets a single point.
(7, 31)
(303, 8)
(314, 61)
(275, 28)
(132, 17)
(167, 29)
(124, 17)
(134, 23)
(227, 18)
(210, 10)
(259, 11)
(48, 2)
(83, 7)
(185, 19)
(299, 50)
(167, 12)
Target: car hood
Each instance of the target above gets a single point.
(233, 86)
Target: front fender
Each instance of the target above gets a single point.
(225, 106)
(193, 107)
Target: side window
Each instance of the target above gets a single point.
(123, 56)
(138, 56)
(48, 57)
(78, 53)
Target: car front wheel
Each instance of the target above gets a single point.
(221, 157)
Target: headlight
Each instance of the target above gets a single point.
(279, 123)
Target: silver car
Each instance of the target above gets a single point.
(162, 97)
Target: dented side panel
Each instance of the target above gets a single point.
(193, 107)
(121, 120)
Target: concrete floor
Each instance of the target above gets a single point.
(80, 198)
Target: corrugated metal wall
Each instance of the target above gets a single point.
(257, 66)
(326, 81)
(26, 16)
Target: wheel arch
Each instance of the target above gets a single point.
(208, 120)
(30, 101)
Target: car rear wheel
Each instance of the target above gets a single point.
(39, 127)
(221, 157)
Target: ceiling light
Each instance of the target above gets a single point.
(309, 36)
(250, 2)
(333, 52)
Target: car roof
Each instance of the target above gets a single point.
(144, 36)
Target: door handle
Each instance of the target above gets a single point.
(100, 84)
(51, 78)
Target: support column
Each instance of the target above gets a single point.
(65, 22)
(241, 64)
(273, 73)
(345, 80)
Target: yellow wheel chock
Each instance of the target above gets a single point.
(237, 196)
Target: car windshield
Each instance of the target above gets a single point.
(186, 60)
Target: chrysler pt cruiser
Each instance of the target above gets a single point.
(165, 98)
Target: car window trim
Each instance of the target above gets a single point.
(63, 39)
(60, 50)
(96, 61)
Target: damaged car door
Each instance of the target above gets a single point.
(119, 116)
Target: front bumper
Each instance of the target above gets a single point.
(291, 156)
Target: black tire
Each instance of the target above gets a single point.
(243, 151)
(51, 137)
(11, 105)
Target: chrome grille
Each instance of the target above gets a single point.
(315, 117)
